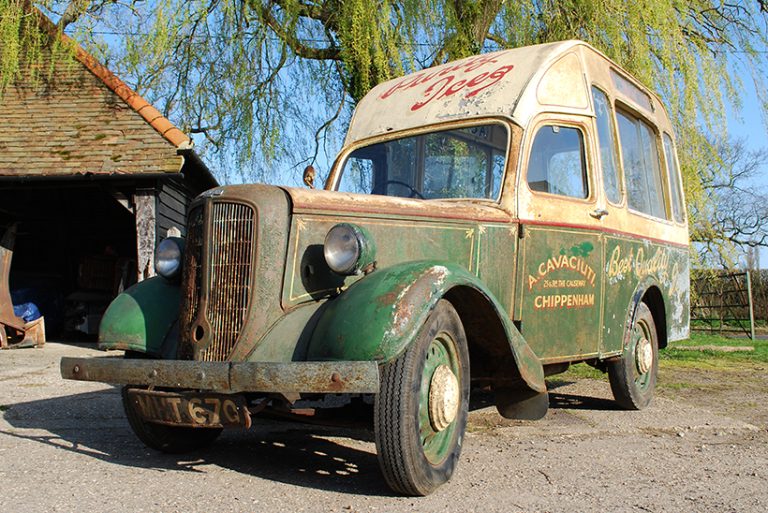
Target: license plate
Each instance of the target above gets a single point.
(191, 409)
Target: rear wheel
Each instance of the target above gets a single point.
(633, 376)
(421, 410)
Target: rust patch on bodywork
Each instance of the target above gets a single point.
(278, 377)
(309, 201)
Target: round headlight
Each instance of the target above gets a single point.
(168, 257)
(348, 249)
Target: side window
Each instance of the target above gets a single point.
(642, 172)
(607, 144)
(557, 164)
(674, 179)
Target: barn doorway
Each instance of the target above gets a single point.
(75, 249)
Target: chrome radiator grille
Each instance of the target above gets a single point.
(230, 255)
(223, 287)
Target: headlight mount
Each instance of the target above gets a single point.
(349, 249)
(168, 258)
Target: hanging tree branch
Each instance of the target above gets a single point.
(290, 38)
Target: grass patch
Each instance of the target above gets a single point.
(706, 339)
(674, 355)
(582, 370)
(4, 407)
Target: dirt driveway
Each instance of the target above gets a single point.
(702, 446)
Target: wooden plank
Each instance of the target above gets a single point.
(173, 203)
(177, 193)
(168, 218)
(179, 189)
(168, 213)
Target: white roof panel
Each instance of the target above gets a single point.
(484, 85)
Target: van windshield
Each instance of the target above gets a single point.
(459, 163)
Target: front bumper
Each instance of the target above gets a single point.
(230, 377)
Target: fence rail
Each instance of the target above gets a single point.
(722, 302)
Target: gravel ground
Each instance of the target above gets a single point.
(65, 446)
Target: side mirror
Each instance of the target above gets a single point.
(309, 176)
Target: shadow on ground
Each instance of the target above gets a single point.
(557, 400)
(93, 424)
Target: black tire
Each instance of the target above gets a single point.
(632, 377)
(168, 439)
(415, 456)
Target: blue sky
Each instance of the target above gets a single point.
(746, 123)
(749, 124)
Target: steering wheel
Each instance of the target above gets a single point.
(414, 192)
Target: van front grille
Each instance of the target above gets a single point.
(230, 258)
(217, 278)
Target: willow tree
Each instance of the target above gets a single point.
(266, 83)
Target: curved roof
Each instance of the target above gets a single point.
(515, 84)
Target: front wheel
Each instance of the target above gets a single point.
(633, 376)
(421, 410)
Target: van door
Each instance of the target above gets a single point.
(560, 263)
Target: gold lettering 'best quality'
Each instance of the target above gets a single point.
(620, 265)
(572, 263)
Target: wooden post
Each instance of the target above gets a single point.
(145, 200)
(751, 309)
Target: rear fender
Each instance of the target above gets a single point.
(649, 291)
(378, 317)
(143, 319)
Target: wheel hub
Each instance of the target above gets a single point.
(443, 398)
(643, 355)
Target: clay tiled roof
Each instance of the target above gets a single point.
(83, 120)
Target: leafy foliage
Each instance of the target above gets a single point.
(272, 82)
(19, 40)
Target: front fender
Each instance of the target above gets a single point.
(144, 319)
(379, 315)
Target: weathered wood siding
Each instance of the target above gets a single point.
(173, 198)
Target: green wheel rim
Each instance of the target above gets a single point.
(640, 331)
(437, 445)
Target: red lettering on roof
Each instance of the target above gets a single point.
(442, 82)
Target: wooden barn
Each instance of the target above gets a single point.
(92, 177)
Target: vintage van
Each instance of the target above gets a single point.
(488, 222)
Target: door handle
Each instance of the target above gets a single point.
(598, 213)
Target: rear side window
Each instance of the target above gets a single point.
(557, 164)
(642, 171)
(674, 179)
(609, 162)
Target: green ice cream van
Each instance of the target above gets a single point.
(487, 223)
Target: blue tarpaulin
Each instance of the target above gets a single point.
(27, 311)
